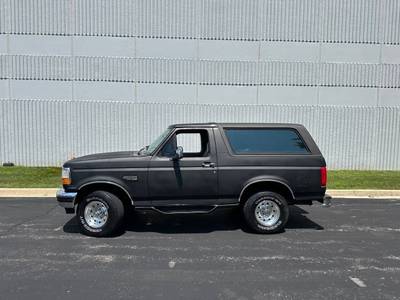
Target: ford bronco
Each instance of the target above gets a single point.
(197, 168)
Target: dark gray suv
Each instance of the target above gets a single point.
(197, 168)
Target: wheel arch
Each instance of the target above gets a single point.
(271, 184)
(103, 185)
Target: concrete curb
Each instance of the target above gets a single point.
(23, 193)
(376, 194)
(51, 192)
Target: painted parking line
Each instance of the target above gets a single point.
(358, 282)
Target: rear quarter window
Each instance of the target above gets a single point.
(265, 141)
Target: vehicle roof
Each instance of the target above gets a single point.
(237, 125)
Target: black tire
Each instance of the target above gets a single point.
(115, 210)
(249, 213)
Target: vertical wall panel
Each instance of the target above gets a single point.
(390, 21)
(4, 16)
(104, 69)
(388, 139)
(229, 19)
(290, 20)
(166, 18)
(104, 17)
(352, 75)
(35, 128)
(39, 67)
(359, 138)
(289, 73)
(166, 71)
(4, 84)
(198, 51)
(4, 73)
(191, 71)
(391, 76)
(351, 21)
(40, 16)
(228, 72)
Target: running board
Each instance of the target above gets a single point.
(184, 209)
(173, 210)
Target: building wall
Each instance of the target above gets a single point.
(339, 59)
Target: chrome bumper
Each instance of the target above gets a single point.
(66, 200)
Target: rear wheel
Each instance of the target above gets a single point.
(100, 214)
(266, 212)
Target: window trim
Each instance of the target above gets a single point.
(173, 132)
(156, 151)
(195, 154)
(233, 153)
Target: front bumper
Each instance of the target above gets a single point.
(66, 200)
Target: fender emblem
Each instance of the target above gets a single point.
(130, 178)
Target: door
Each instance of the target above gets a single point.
(191, 180)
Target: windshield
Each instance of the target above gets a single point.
(154, 145)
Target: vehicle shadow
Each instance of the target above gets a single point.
(299, 220)
(220, 220)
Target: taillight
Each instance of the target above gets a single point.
(323, 176)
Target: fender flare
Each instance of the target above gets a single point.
(265, 179)
(107, 182)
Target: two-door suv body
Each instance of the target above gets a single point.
(196, 168)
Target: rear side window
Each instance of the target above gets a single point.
(265, 141)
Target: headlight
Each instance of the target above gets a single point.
(66, 176)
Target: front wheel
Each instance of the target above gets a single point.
(266, 212)
(100, 214)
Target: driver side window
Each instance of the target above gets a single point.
(194, 143)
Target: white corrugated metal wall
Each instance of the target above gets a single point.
(82, 76)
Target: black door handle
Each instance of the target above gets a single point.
(208, 164)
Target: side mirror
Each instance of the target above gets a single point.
(178, 153)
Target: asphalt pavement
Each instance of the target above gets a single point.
(348, 251)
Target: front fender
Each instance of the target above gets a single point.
(101, 179)
(106, 180)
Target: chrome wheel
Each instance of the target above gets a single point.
(96, 214)
(267, 213)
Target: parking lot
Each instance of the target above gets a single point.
(348, 251)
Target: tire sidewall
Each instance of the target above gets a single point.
(257, 198)
(114, 218)
(81, 215)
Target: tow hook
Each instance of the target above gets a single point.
(327, 201)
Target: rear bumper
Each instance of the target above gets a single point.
(325, 200)
(66, 200)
